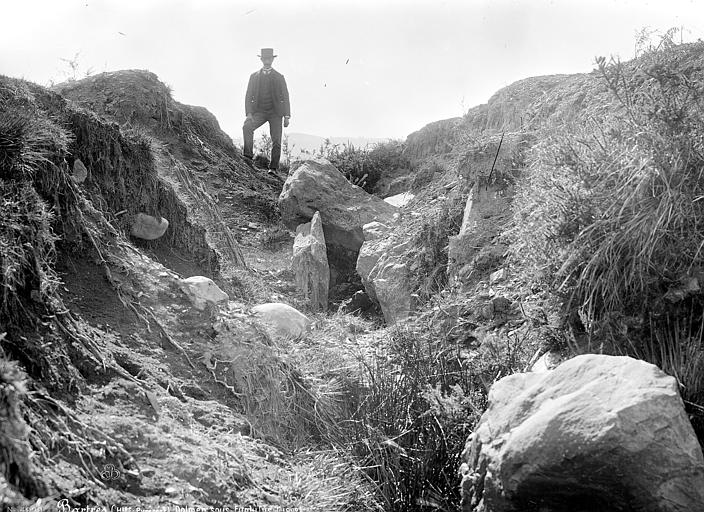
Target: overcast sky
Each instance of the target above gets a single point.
(376, 68)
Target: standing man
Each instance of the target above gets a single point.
(266, 101)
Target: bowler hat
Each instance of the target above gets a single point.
(267, 52)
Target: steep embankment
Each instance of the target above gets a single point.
(581, 232)
(117, 388)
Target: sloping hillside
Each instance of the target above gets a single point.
(560, 218)
(116, 387)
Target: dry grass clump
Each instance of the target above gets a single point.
(611, 216)
(285, 406)
(431, 239)
(420, 402)
(327, 480)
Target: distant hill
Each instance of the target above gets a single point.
(300, 142)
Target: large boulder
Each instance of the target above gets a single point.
(597, 433)
(310, 263)
(383, 266)
(316, 185)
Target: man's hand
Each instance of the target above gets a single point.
(286, 120)
(249, 117)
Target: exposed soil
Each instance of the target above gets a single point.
(165, 419)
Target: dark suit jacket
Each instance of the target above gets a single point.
(279, 91)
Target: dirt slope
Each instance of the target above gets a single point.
(134, 404)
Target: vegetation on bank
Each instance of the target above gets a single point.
(610, 218)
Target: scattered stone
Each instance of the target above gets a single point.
(284, 320)
(596, 433)
(497, 276)
(80, 173)
(310, 263)
(147, 227)
(400, 200)
(202, 291)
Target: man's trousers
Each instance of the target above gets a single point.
(275, 130)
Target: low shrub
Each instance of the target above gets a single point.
(364, 166)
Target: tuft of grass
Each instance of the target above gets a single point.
(420, 404)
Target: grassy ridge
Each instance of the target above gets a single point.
(610, 217)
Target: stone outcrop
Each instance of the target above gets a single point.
(147, 227)
(383, 267)
(596, 433)
(487, 207)
(310, 263)
(344, 209)
(202, 291)
(282, 320)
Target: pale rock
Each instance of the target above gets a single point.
(202, 291)
(310, 263)
(498, 276)
(80, 173)
(284, 320)
(485, 211)
(596, 433)
(147, 227)
(383, 266)
(316, 185)
(400, 200)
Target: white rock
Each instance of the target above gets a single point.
(80, 173)
(382, 265)
(310, 263)
(608, 431)
(497, 276)
(147, 227)
(316, 185)
(202, 291)
(400, 200)
(284, 320)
